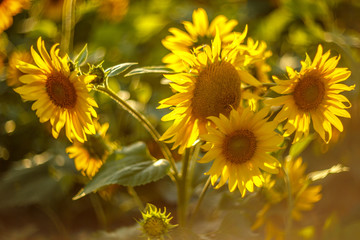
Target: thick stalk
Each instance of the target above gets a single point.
(99, 211)
(290, 204)
(183, 191)
(145, 123)
(201, 197)
(68, 23)
(136, 197)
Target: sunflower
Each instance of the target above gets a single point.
(155, 224)
(240, 147)
(212, 86)
(274, 213)
(255, 52)
(313, 94)
(198, 33)
(60, 96)
(113, 10)
(90, 155)
(13, 73)
(8, 9)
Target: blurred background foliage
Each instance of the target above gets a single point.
(38, 180)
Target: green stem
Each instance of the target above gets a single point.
(99, 211)
(182, 190)
(136, 197)
(56, 221)
(68, 23)
(290, 203)
(201, 197)
(145, 123)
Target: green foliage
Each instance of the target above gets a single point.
(130, 166)
(35, 185)
(117, 69)
(297, 148)
(80, 59)
(152, 69)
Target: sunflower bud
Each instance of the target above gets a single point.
(99, 72)
(155, 224)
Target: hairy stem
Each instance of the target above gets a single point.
(201, 197)
(145, 123)
(290, 204)
(68, 24)
(183, 191)
(136, 197)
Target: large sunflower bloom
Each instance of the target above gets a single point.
(273, 214)
(240, 147)
(8, 9)
(198, 33)
(60, 96)
(313, 94)
(13, 73)
(212, 86)
(90, 155)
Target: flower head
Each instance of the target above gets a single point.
(198, 33)
(90, 155)
(8, 9)
(211, 87)
(61, 97)
(13, 73)
(313, 94)
(274, 213)
(240, 147)
(155, 224)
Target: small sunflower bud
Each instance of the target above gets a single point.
(99, 72)
(155, 224)
(71, 65)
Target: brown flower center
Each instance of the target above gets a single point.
(96, 146)
(60, 90)
(309, 91)
(239, 147)
(217, 88)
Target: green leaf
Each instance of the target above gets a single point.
(117, 69)
(130, 166)
(153, 69)
(297, 148)
(322, 174)
(82, 56)
(35, 185)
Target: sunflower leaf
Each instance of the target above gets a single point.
(117, 69)
(82, 56)
(152, 69)
(338, 168)
(130, 166)
(297, 148)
